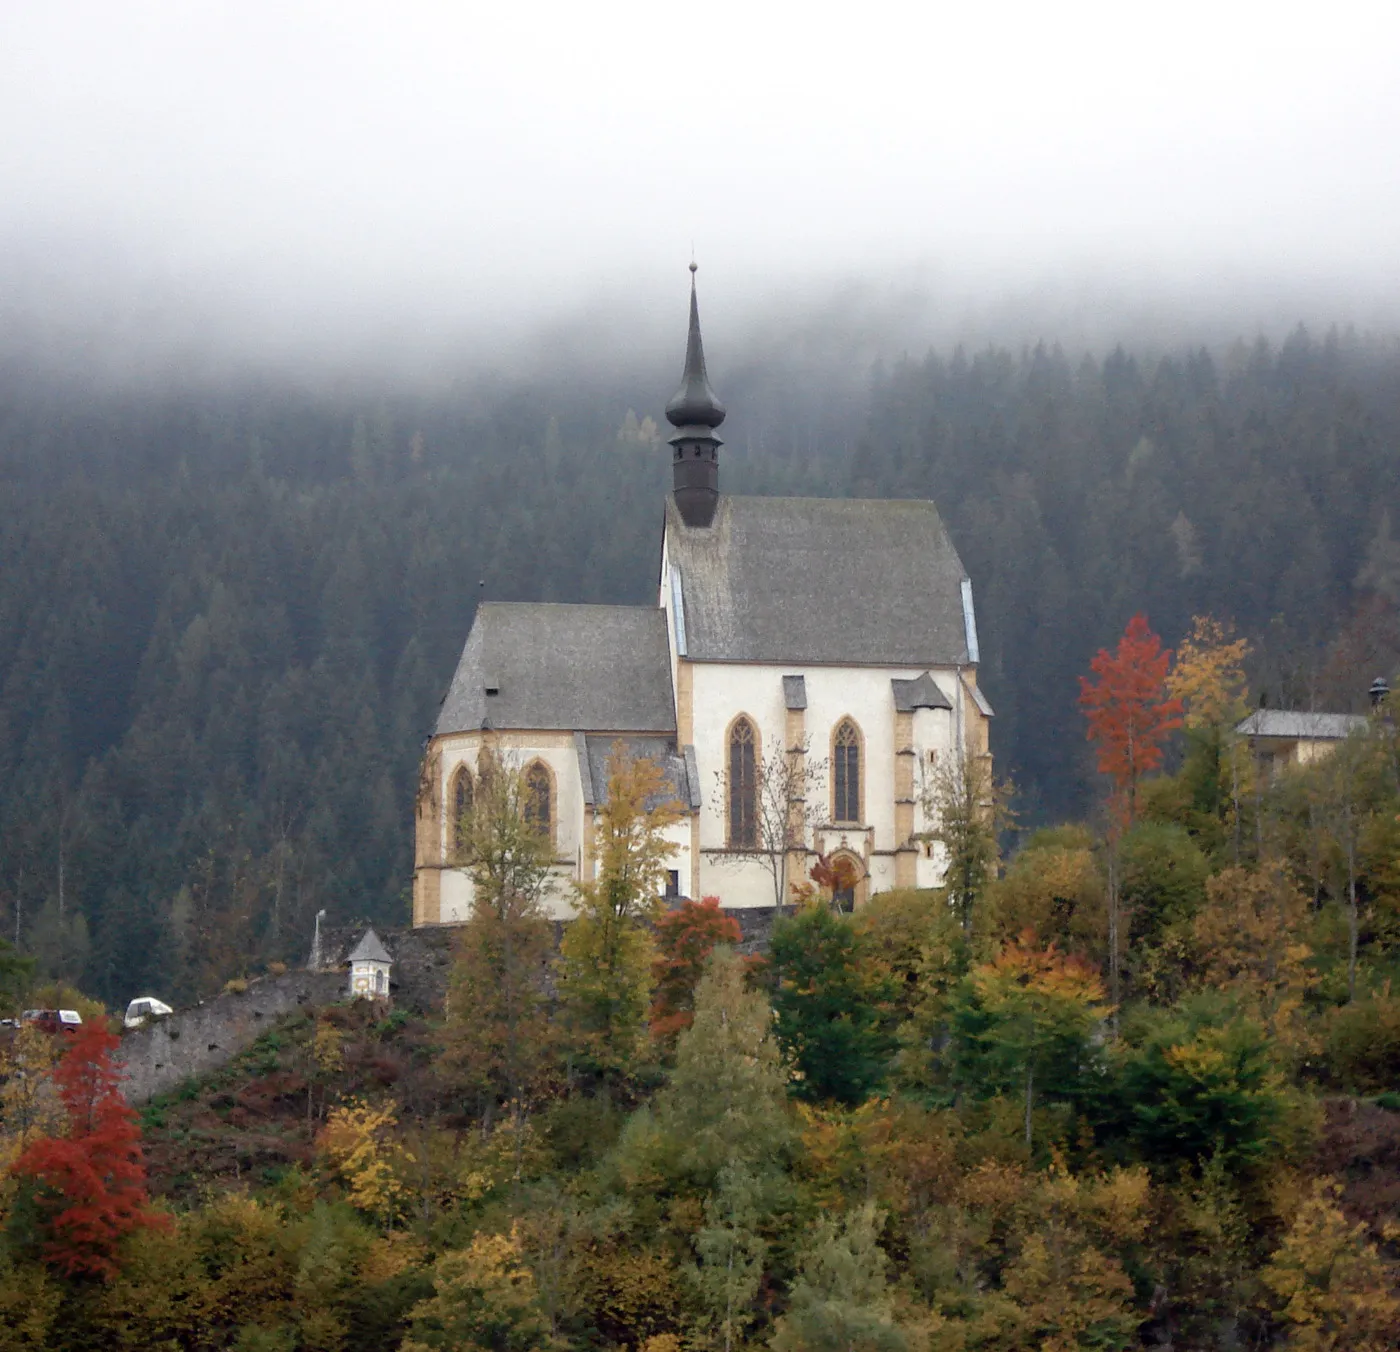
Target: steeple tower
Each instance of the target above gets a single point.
(695, 412)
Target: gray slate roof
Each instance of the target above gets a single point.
(836, 580)
(678, 766)
(369, 949)
(562, 668)
(1288, 723)
(920, 693)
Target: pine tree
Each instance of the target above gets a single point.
(840, 1302)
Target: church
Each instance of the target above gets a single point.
(807, 667)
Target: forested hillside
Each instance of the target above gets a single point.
(227, 614)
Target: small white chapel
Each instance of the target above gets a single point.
(831, 643)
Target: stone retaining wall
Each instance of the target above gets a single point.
(198, 1041)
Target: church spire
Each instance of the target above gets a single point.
(695, 412)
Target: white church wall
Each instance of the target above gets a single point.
(722, 691)
(517, 750)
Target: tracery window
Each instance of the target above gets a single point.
(461, 800)
(845, 773)
(539, 794)
(743, 785)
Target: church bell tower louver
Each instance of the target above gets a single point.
(695, 413)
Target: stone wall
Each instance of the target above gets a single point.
(197, 1041)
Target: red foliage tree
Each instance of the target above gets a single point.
(685, 938)
(1128, 712)
(90, 1185)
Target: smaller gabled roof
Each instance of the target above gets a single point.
(920, 693)
(677, 765)
(1288, 723)
(369, 949)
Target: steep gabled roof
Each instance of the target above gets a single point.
(369, 949)
(563, 668)
(835, 580)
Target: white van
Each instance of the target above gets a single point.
(143, 1009)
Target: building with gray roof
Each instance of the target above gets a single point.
(808, 663)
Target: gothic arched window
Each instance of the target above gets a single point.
(460, 797)
(743, 785)
(539, 798)
(845, 773)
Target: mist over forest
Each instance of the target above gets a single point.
(231, 601)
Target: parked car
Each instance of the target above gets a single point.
(144, 1009)
(53, 1020)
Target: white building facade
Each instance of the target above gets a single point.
(822, 649)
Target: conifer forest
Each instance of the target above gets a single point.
(1129, 1078)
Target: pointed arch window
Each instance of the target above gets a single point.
(460, 797)
(743, 785)
(539, 798)
(845, 772)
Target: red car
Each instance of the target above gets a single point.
(54, 1020)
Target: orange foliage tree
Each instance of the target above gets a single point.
(1130, 714)
(1129, 711)
(89, 1187)
(685, 938)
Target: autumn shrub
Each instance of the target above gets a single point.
(1055, 888)
(1162, 878)
(685, 938)
(900, 928)
(1332, 1288)
(1363, 1044)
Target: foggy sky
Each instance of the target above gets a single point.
(305, 176)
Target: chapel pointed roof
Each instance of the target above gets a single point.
(369, 949)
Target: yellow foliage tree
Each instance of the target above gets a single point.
(1055, 888)
(605, 963)
(1336, 1293)
(1207, 675)
(29, 1103)
(358, 1142)
(1248, 940)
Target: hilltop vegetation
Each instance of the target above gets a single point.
(1137, 1086)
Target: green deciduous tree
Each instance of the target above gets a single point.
(835, 1022)
(1024, 1023)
